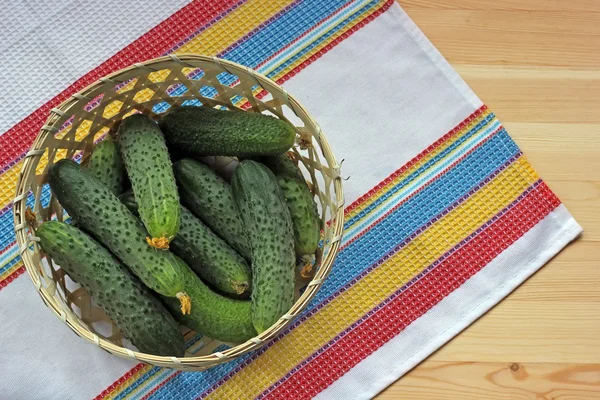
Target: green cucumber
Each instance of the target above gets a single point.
(140, 316)
(206, 131)
(99, 212)
(206, 253)
(214, 315)
(106, 165)
(269, 227)
(300, 201)
(150, 171)
(209, 197)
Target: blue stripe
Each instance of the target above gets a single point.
(381, 239)
(416, 212)
(10, 264)
(422, 180)
(332, 22)
(137, 383)
(410, 178)
(7, 233)
(153, 371)
(281, 31)
(189, 385)
(320, 40)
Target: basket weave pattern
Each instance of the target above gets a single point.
(152, 87)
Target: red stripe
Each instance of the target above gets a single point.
(418, 158)
(4, 250)
(156, 42)
(306, 33)
(119, 381)
(415, 301)
(11, 277)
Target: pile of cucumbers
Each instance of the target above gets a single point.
(158, 243)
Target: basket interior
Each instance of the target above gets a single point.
(85, 119)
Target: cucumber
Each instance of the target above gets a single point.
(300, 201)
(140, 316)
(99, 212)
(106, 165)
(269, 227)
(209, 197)
(150, 171)
(206, 253)
(214, 315)
(206, 131)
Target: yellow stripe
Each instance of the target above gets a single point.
(417, 165)
(9, 272)
(245, 18)
(8, 181)
(376, 286)
(128, 382)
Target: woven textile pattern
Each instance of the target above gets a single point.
(408, 243)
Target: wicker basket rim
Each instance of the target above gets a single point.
(23, 240)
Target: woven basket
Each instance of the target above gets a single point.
(152, 87)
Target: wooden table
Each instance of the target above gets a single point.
(536, 64)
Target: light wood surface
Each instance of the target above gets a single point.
(536, 64)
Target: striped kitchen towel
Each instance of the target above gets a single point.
(445, 217)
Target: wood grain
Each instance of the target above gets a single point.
(536, 64)
(499, 381)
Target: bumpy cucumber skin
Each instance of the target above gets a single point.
(209, 197)
(214, 315)
(300, 201)
(150, 171)
(100, 213)
(269, 227)
(139, 315)
(206, 253)
(208, 131)
(106, 165)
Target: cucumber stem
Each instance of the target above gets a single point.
(304, 141)
(161, 243)
(307, 269)
(239, 287)
(30, 217)
(186, 302)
